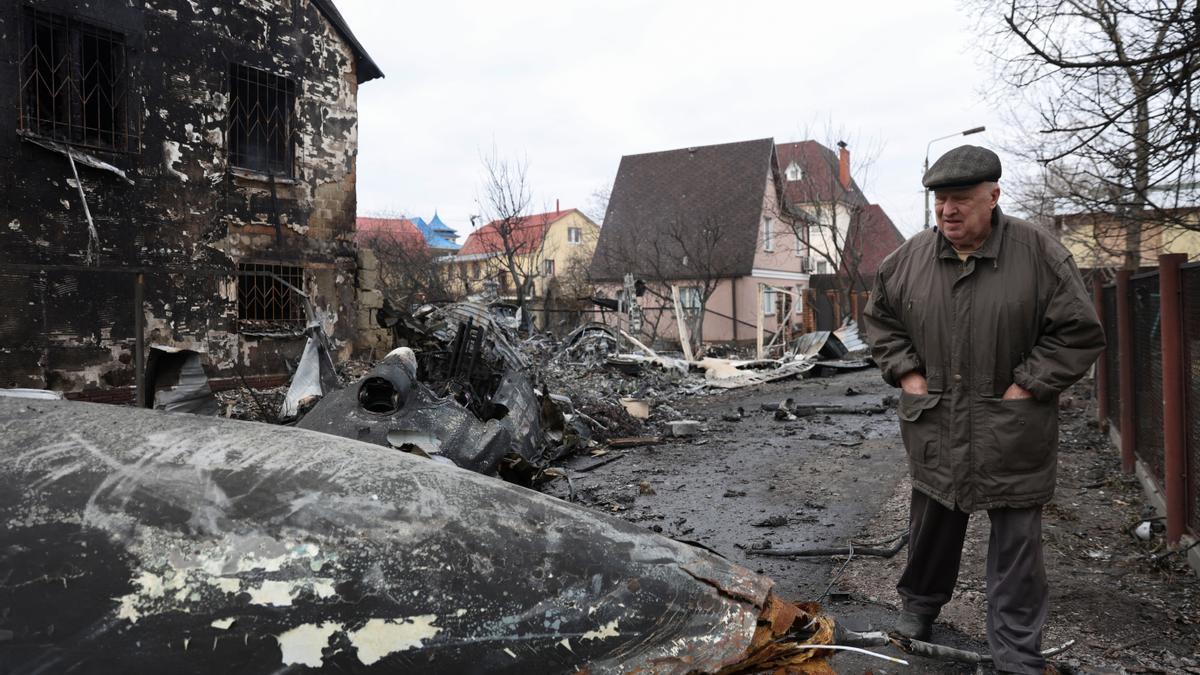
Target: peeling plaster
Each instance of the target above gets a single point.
(303, 644)
(381, 637)
(171, 157)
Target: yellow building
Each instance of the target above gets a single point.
(545, 255)
(1098, 241)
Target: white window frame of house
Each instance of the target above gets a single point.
(574, 235)
(799, 303)
(689, 299)
(768, 235)
(768, 301)
(822, 267)
(793, 171)
(548, 268)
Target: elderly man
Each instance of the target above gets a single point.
(982, 322)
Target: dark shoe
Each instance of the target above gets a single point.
(915, 626)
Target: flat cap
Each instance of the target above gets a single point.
(963, 166)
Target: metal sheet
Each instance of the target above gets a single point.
(140, 542)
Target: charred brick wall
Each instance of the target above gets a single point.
(187, 216)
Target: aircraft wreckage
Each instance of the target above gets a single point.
(136, 541)
(460, 392)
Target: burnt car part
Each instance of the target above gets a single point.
(134, 541)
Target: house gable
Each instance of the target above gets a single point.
(659, 198)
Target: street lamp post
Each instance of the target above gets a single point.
(924, 171)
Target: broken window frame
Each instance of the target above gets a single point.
(71, 80)
(264, 298)
(261, 138)
(689, 300)
(768, 300)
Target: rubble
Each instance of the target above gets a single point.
(684, 427)
(208, 544)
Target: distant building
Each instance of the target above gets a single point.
(439, 237)
(553, 248)
(708, 215)
(1097, 240)
(774, 210)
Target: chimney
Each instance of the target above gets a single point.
(843, 165)
(556, 209)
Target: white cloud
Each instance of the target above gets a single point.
(573, 86)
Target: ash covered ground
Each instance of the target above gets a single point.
(824, 480)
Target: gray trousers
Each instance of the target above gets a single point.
(1017, 594)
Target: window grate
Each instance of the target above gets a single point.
(265, 298)
(74, 84)
(260, 120)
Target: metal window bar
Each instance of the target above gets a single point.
(74, 83)
(260, 120)
(264, 298)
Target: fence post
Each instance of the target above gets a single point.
(1125, 379)
(1101, 383)
(1174, 438)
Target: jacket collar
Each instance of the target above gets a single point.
(991, 246)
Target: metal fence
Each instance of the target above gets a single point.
(1190, 302)
(1112, 392)
(1142, 405)
(1147, 370)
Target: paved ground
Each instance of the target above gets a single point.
(822, 480)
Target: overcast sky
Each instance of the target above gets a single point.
(573, 86)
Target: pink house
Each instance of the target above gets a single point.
(705, 220)
(759, 234)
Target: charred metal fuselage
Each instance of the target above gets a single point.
(460, 391)
(136, 541)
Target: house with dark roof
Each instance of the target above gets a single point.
(178, 175)
(739, 230)
(709, 224)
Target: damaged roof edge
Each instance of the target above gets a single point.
(367, 68)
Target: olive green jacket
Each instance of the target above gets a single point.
(1015, 311)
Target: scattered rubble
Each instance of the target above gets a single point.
(463, 387)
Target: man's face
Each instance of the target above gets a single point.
(964, 215)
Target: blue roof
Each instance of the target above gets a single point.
(437, 234)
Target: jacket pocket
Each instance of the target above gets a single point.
(1019, 436)
(921, 427)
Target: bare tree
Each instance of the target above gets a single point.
(516, 240)
(598, 203)
(827, 215)
(689, 252)
(409, 272)
(1114, 85)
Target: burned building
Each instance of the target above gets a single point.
(182, 171)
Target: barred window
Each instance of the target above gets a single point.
(260, 120)
(263, 297)
(74, 84)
